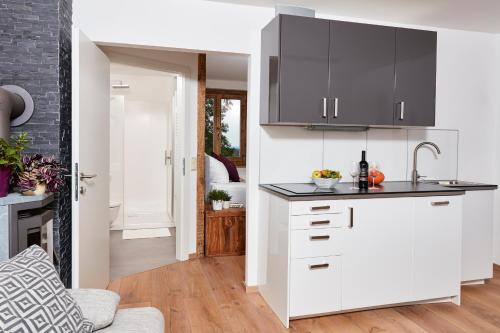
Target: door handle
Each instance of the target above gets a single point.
(325, 107)
(89, 176)
(402, 110)
(351, 217)
(335, 107)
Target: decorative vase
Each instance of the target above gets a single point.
(4, 181)
(217, 204)
(225, 205)
(40, 189)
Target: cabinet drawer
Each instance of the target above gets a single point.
(318, 221)
(318, 207)
(315, 285)
(316, 242)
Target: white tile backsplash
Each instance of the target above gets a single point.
(290, 154)
(388, 148)
(341, 149)
(430, 164)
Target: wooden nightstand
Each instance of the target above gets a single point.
(224, 232)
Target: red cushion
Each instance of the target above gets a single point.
(230, 166)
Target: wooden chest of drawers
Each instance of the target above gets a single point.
(224, 232)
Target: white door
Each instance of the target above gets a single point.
(91, 91)
(437, 247)
(169, 154)
(377, 258)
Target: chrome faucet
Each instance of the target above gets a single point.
(414, 174)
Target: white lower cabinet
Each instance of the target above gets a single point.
(361, 253)
(377, 265)
(437, 247)
(315, 285)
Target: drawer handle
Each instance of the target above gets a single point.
(323, 237)
(440, 203)
(320, 222)
(318, 266)
(315, 208)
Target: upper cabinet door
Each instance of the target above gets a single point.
(303, 86)
(362, 74)
(415, 93)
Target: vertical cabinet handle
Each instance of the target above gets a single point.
(351, 217)
(325, 107)
(402, 110)
(335, 107)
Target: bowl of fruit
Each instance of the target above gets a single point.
(326, 178)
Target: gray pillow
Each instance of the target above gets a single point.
(33, 298)
(98, 306)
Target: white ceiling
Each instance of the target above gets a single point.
(474, 15)
(222, 66)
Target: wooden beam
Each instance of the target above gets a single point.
(200, 187)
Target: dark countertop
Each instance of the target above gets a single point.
(307, 191)
(469, 186)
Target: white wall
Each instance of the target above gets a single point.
(226, 84)
(465, 92)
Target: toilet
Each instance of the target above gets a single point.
(114, 209)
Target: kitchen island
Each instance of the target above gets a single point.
(347, 250)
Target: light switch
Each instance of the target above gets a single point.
(193, 164)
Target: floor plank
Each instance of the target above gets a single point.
(207, 295)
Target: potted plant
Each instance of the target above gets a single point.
(217, 197)
(39, 174)
(226, 200)
(10, 159)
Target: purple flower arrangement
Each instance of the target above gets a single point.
(38, 169)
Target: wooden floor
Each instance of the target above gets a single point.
(207, 295)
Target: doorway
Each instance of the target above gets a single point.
(142, 138)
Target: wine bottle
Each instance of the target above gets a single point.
(363, 172)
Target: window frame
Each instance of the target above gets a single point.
(218, 95)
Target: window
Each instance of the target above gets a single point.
(225, 124)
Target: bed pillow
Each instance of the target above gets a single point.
(230, 167)
(216, 171)
(33, 298)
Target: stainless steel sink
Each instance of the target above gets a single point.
(451, 183)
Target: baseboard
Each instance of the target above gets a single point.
(250, 289)
(192, 256)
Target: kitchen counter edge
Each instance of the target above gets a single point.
(290, 196)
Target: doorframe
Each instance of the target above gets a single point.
(200, 174)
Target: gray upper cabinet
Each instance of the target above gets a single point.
(316, 71)
(415, 89)
(300, 73)
(362, 74)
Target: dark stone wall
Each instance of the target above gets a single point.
(35, 53)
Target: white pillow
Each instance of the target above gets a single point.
(215, 171)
